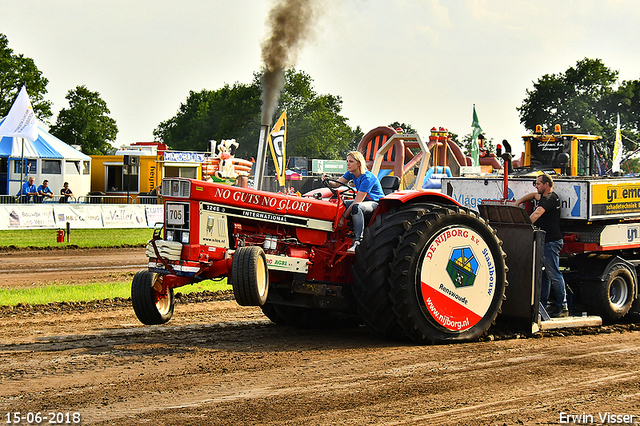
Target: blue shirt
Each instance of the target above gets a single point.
(46, 190)
(366, 182)
(27, 189)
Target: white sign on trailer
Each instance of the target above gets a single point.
(471, 191)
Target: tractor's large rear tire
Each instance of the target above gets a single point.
(449, 277)
(150, 305)
(612, 297)
(250, 276)
(372, 268)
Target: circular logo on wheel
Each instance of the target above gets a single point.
(457, 278)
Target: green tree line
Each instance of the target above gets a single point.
(315, 126)
(86, 122)
(586, 98)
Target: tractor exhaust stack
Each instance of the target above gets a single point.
(258, 177)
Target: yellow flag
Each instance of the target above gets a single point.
(617, 149)
(278, 145)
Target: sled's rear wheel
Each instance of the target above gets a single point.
(151, 305)
(612, 297)
(269, 310)
(449, 277)
(315, 318)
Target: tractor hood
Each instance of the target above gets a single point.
(251, 202)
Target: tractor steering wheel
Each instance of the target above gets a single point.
(340, 189)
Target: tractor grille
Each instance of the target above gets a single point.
(176, 222)
(176, 188)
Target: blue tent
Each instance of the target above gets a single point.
(45, 158)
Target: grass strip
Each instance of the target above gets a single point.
(89, 292)
(84, 238)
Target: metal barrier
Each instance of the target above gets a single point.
(31, 199)
(147, 199)
(8, 199)
(57, 199)
(83, 199)
(105, 199)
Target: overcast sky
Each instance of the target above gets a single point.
(422, 62)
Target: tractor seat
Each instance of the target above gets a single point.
(390, 184)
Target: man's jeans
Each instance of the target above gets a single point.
(552, 275)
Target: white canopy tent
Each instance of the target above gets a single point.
(48, 158)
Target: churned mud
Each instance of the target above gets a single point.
(216, 363)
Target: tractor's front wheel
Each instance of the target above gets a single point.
(449, 277)
(151, 305)
(250, 276)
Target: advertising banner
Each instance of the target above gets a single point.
(155, 214)
(183, 157)
(123, 216)
(30, 216)
(470, 192)
(612, 198)
(328, 166)
(79, 216)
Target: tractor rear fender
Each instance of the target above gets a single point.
(405, 197)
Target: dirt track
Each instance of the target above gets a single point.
(28, 268)
(217, 363)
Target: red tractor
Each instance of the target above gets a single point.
(427, 268)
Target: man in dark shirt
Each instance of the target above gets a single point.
(547, 217)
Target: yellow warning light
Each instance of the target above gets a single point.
(538, 129)
(556, 129)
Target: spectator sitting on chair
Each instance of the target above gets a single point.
(65, 193)
(28, 192)
(44, 191)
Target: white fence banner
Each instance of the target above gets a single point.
(123, 216)
(155, 214)
(79, 216)
(29, 216)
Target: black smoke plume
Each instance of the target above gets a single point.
(290, 23)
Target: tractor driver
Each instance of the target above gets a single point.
(366, 201)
